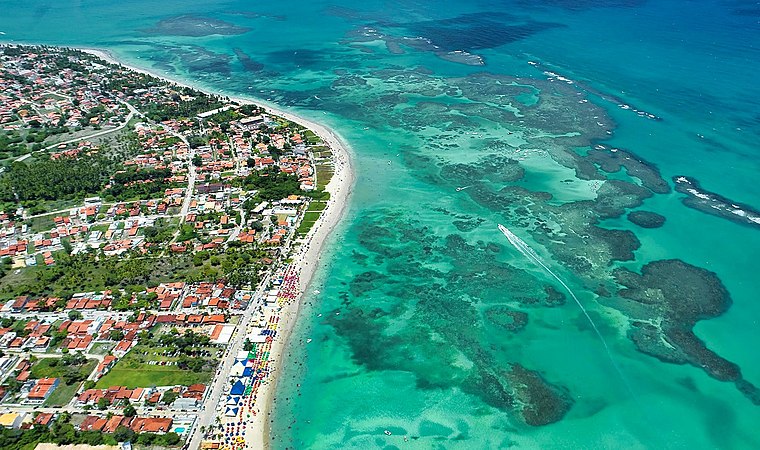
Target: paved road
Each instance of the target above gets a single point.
(191, 176)
(208, 413)
(77, 410)
(63, 211)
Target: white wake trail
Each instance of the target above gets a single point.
(529, 253)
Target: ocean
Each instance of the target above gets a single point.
(617, 142)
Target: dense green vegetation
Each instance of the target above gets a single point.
(62, 432)
(70, 368)
(50, 179)
(238, 265)
(186, 102)
(87, 272)
(12, 144)
(135, 183)
(273, 184)
(161, 231)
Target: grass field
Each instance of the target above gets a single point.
(309, 219)
(41, 223)
(134, 370)
(62, 395)
(44, 368)
(148, 376)
(324, 175)
(102, 348)
(54, 368)
(317, 206)
(310, 137)
(311, 216)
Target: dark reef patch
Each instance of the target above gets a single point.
(467, 225)
(611, 160)
(614, 197)
(195, 26)
(300, 57)
(646, 219)
(581, 5)
(430, 318)
(670, 297)
(507, 318)
(715, 204)
(248, 63)
(476, 31)
(621, 243)
(199, 59)
(366, 282)
(541, 402)
(256, 15)
(496, 169)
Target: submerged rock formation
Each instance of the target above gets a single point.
(666, 300)
(646, 219)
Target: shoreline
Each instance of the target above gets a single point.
(307, 255)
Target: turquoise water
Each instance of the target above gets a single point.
(429, 323)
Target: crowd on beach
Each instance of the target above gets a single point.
(261, 359)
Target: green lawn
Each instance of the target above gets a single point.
(317, 206)
(41, 223)
(324, 175)
(102, 228)
(44, 368)
(54, 368)
(309, 219)
(62, 395)
(310, 137)
(305, 226)
(134, 370)
(148, 376)
(321, 151)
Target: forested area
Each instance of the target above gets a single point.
(136, 183)
(62, 432)
(54, 179)
(273, 184)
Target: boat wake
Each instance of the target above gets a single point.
(529, 253)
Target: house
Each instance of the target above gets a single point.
(42, 390)
(43, 419)
(185, 403)
(92, 423)
(123, 347)
(105, 365)
(151, 424)
(12, 420)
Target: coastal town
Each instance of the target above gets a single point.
(153, 245)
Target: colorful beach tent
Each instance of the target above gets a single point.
(238, 388)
